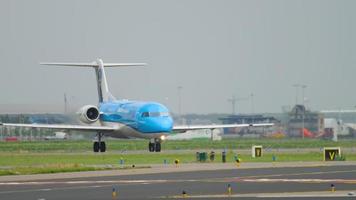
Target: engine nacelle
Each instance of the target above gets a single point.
(89, 114)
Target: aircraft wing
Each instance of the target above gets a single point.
(182, 128)
(63, 127)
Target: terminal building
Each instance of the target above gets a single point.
(247, 119)
(301, 120)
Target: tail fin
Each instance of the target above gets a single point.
(103, 89)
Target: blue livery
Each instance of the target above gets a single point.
(145, 117)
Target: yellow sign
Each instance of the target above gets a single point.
(331, 153)
(256, 151)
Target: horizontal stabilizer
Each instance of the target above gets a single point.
(98, 65)
(94, 64)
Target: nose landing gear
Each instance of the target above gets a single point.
(154, 145)
(99, 145)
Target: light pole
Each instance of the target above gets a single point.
(303, 115)
(180, 102)
(303, 90)
(233, 104)
(233, 101)
(252, 105)
(296, 92)
(65, 103)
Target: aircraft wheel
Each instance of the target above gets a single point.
(151, 147)
(96, 147)
(102, 147)
(158, 147)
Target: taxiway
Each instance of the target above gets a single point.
(278, 182)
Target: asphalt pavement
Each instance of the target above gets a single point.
(211, 182)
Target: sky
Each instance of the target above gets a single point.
(212, 49)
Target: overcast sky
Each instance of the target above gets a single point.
(213, 49)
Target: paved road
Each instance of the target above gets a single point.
(246, 183)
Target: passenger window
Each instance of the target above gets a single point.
(145, 114)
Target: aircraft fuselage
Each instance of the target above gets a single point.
(136, 118)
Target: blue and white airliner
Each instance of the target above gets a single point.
(124, 118)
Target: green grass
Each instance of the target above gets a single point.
(69, 156)
(46, 169)
(56, 168)
(118, 145)
(38, 159)
(34, 163)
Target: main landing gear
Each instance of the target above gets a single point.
(154, 145)
(99, 145)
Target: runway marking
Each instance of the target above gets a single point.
(46, 189)
(261, 180)
(50, 189)
(299, 174)
(264, 178)
(344, 193)
(95, 186)
(255, 178)
(102, 184)
(83, 182)
(162, 181)
(80, 184)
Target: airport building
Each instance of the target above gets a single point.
(302, 120)
(18, 133)
(248, 119)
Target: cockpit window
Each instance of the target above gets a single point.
(145, 114)
(155, 114)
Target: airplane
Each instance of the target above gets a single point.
(123, 118)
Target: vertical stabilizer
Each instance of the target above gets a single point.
(103, 89)
(102, 84)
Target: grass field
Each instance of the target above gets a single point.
(33, 163)
(121, 145)
(68, 156)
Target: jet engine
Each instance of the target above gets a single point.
(89, 114)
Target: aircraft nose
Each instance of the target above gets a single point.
(166, 124)
(156, 125)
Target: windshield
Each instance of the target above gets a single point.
(155, 114)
